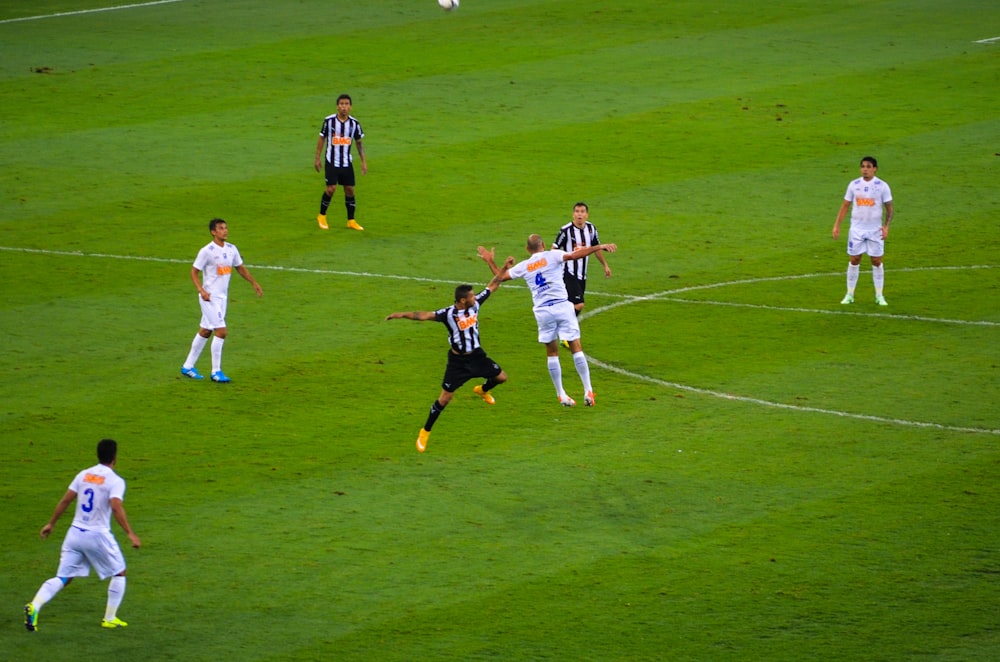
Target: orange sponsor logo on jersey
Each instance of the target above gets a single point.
(93, 478)
(223, 270)
(537, 264)
(865, 202)
(340, 140)
(465, 322)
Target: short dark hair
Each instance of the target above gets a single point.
(345, 96)
(214, 223)
(870, 159)
(581, 204)
(107, 451)
(461, 292)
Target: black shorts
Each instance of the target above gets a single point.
(336, 175)
(574, 288)
(463, 367)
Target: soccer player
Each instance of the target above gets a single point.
(466, 357)
(870, 218)
(89, 543)
(215, 262)
(336, 136)
(580, 232)
(556, 318)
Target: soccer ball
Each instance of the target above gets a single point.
(448, 5)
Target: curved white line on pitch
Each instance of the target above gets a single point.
(667, 295)
(781, 405)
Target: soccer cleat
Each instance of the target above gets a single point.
(30, 617)
(113, 623)
(567, 401)
(564, 343)
(321, 219)
(422, 439)
(589, 399)
(354, 225)
(485, 395)
(880, 300)
(848, 298)
(220, 377)
(191, 372)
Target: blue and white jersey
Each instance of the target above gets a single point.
(543, 272)
(216, 264)
(868, 198)
(95, 487)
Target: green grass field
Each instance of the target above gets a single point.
(768, 475)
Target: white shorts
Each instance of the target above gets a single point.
(213, 313)
(83, 550)
(557, 322)
(869, 241)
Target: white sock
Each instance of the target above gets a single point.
(197, 345)
(217, 353)
(853, 271)
(555, 372)
(878, 277)
(116, 591)
(583, 369)
(46, 592)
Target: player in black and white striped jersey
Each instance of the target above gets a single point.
(580, 233)
(336, 136)
(466, 357)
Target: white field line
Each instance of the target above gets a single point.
(986, 41)
(781, 405)
(88, 11)
(667, 295)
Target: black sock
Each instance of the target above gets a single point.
(324, 204)
(350, 204)
(490, 383)
(436, 410)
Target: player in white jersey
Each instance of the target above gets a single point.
(214, 264)
(556, 318)
(89, 543)
(870, 200)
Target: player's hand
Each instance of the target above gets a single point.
(487, 255)
(46, 530)
(136, 543)
(611, 248)
(885, 232)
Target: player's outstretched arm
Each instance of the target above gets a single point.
(588, 250)
(416, 315)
